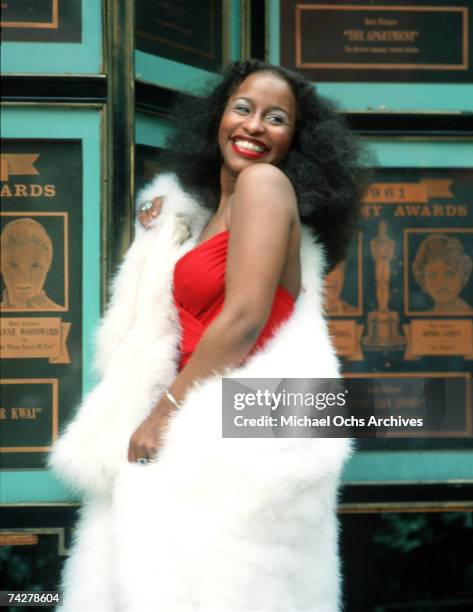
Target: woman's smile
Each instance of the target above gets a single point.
(258, 123)
(248, 147)
(442, 281)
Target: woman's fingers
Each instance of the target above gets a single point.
(137, 450)
(137, 453)
(149, 211)
(145, 441)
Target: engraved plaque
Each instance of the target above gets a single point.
(415, 316)
(187, 31)
(41, 21)
(41, 295)
(378, 42)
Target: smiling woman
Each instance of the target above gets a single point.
(224, 278)
(442, 269)
(258, 122)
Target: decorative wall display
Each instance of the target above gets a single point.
(415, 312)
(346, 300)
(48, 229)
(187, 31)
(41, 21)
(394, 41)
(41, 299)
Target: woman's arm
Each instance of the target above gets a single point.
(264, 209)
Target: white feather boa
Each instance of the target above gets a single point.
(215, 525)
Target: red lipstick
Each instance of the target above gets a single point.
(248, 153)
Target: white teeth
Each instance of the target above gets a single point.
(251, 146)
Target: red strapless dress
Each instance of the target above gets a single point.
(199, 291)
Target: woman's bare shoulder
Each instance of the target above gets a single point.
(262, 173)
(267, 185)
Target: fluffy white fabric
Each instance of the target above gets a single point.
(216, 524)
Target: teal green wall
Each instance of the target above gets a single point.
(151, 130)
(422, 152)
(409, 467)
(170, 74)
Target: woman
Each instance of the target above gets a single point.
(224, 281)
(27, 253)
(442, 268)
(334, 282)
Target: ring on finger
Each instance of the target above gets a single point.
(153, 456)
(146, 206)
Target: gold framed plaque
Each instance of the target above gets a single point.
(41, 21)
(41, 293)
(417, 296)
(378, 42)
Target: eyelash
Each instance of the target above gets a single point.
(279, 120)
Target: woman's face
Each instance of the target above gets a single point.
(442, 281)
(334, 282)
(24, 270)
(258, 122)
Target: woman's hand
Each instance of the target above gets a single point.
(147, 438)
(149, 211)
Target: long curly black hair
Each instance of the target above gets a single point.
(324, 164)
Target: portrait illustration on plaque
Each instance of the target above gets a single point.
(343, 302)
(334, 282)
(343, 285)
(34, 262)
(441, 268)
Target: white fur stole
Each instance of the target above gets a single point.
(215, 524)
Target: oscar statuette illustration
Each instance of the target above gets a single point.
(383, 324)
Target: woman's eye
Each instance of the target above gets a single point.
(276, 119)
(241, 108)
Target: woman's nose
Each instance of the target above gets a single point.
(23, 277)
(254, 124)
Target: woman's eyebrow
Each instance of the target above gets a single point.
(278, 108)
